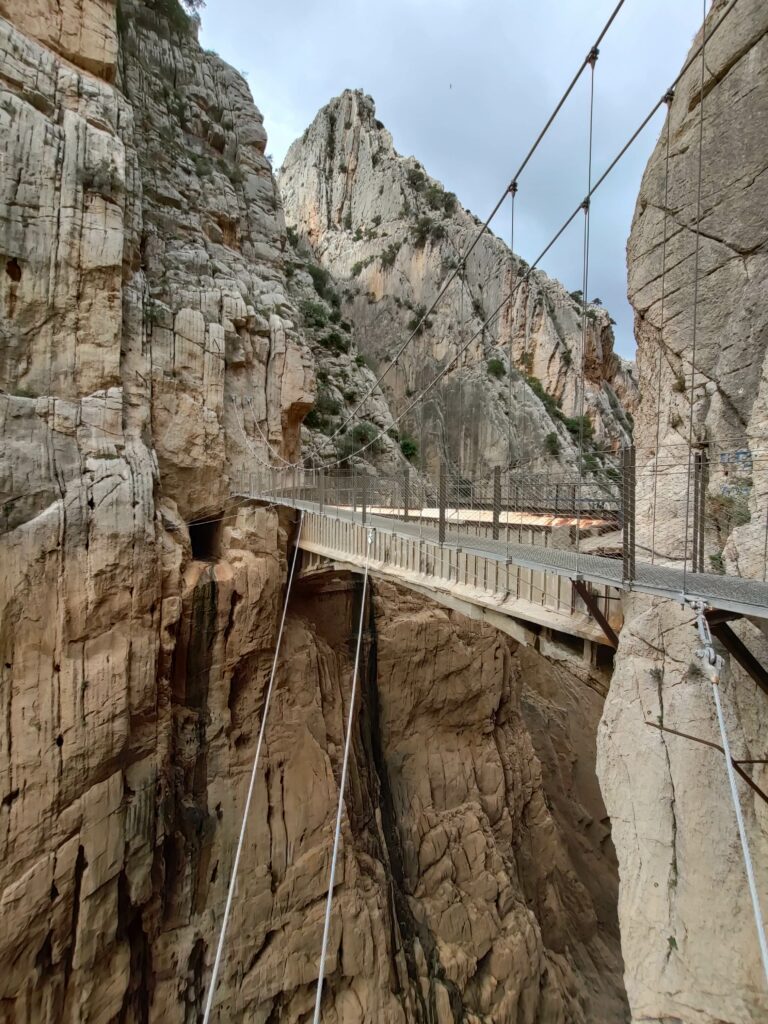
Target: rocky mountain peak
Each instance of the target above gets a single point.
(391, 236)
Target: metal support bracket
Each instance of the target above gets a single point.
(582, 589)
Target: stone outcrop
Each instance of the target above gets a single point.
(153, 349)
(391, 236)
(688, 936)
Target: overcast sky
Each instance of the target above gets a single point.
(465, 86)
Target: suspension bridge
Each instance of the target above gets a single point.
(531, 551)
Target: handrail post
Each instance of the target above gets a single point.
(321, 488)
(406, 492)
(363, 495)
(628, 531)
(496, 500)
(699, 498)
(441, 500)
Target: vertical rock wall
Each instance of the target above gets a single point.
(688, 935)
(149, 354)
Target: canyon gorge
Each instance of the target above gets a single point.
(517, 846)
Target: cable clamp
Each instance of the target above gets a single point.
(512, 187)
(669, 95)
(711, 664)
(594, 53)
(586, 204)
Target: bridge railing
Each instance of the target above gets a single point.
(705, 511)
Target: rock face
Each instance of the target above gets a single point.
(151, 353)
(688, 936)
(391, 236)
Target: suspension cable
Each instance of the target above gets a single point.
(668, 98)
(713, 669)
(695, 300)
(251, 785)
(609, 169)
(485, 225)
(584, 289)
(342, 786)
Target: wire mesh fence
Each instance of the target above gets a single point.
(696, 510)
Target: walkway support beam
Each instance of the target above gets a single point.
(739, 650)
(586, 595)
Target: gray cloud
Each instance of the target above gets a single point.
(465, 86)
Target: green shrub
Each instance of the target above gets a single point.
(420, 231)
(335, 342)
(389, 255)
(321, 280)
(409, 447)
(496, 368)
(679, 385)
(377, 220)
(416, 178)
(326, 404)
(579, 426)
(293, 236)
(552, 444)
(348, 222)
(315, 314)
(434, 196)
(415, 323)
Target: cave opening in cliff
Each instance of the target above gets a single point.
(205, 538)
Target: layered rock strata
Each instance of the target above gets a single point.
(391, 236)
(152, 352)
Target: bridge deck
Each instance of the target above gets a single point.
(728, 593)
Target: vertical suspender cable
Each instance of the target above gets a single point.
(669, 97)
(695, 291)
(251, 786)
(342, 787)
(512, 282)
(584, 286)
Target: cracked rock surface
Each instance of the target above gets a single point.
(688, 935)
(150, 351)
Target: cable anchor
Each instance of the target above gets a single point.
(512, 187)
(669, 95)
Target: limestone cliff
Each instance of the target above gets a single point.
(391, 236)
(687, 932)
(153, 348)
